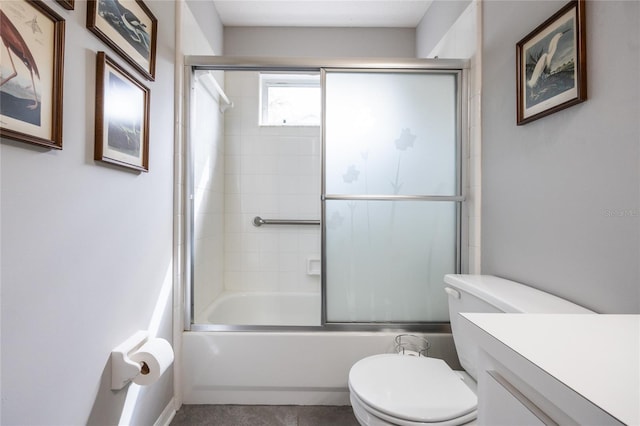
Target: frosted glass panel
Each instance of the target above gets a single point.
(390, 133)
(386, 260)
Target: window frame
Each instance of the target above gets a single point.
(268, 80)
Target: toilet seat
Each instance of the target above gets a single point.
(406, 390)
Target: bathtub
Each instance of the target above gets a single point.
(265, 308)
(282, 368)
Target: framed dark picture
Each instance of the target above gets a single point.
(31, 73)
(129, 28)
(67, 4)
(551, 64)
(122, 117)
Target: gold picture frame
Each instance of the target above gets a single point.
(31, 73)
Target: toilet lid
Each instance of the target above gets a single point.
(417, 389)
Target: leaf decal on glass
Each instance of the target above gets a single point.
(351, 175)
(405, 140)
(396, 187)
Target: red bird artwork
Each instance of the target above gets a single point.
(14, 43)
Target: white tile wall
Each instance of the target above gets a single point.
(475, 141)
(272, 172)
(463, 40)
(209, 203)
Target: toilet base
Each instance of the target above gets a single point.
(363, 417)
(367, 418)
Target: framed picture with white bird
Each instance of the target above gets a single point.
(129, 28)
(551, 65)
(31, 73)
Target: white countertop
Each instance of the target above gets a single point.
(598, 356)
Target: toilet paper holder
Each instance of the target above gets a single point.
(123, 368)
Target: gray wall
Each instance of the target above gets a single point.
(561, 207)
(435, 23)
(319, 42)
(202, 31)
(86, 252)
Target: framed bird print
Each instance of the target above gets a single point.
(551, 64)
(122, 116)
(31, 73)
(67, 4)
(129, 28)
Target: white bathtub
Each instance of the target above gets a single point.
(284, 368)
(265, 308)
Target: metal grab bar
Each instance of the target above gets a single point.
(258, 221)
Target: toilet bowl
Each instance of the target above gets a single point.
(392, 389)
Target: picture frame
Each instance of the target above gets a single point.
(122, 116)
(551, 65)
(129, 28)
(31, 87)
(67, 4)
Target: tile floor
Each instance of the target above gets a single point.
(264, 415)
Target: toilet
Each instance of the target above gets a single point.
(395, 389)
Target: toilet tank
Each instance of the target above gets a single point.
(489, 294)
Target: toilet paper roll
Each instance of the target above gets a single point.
(154, 357)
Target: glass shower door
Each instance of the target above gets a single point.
(391, 194)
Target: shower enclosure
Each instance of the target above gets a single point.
(323, 196)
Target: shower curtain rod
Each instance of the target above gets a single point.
(213, 84)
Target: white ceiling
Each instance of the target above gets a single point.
(322, 13)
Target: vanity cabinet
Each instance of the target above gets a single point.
(505, 405)
(548, 369)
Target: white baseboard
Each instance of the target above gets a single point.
(258, 396)
(167, 414)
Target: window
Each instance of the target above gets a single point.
(289, 99)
